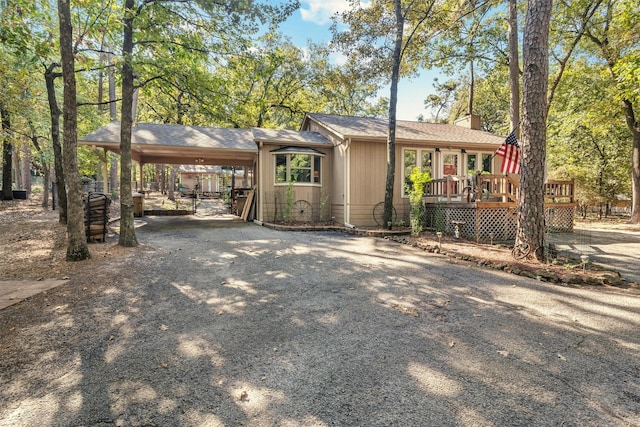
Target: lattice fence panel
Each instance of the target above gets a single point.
(466, 219)
(441, 218)
(496, 224)
(435, 217)
(491, 224)
(483, 225)
(559, 219)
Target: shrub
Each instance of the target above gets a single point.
(418, 182)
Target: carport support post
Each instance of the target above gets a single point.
(233, 186)
(141, 177)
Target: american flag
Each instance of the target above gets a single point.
(510, 152)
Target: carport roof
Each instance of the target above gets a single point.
(178, 144)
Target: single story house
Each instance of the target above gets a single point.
(206, 179)
(334, 167)
(210, 181)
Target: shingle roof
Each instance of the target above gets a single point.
(178, 136)
(367, 127)
(289, 136)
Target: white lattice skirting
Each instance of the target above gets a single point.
(491, 224)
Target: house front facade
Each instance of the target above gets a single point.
(334, 167)
(349, 160)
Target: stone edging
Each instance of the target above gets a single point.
(348, 230)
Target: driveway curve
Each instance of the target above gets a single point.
(217, 323)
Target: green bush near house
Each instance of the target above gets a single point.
(416, 190)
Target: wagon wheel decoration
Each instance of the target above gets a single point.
(521, 250)
(301, 211)
(378, 214)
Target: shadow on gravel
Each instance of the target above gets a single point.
(235, 324)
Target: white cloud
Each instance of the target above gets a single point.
(338, 58)
(320, 11)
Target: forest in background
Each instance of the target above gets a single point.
(191, 68)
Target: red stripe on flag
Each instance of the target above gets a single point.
(511, 158)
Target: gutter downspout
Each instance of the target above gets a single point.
(260, 209)
(347, 184)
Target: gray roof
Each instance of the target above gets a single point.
(367, 127)
(289, 136)
(177, 136)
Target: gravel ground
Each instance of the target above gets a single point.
(220, 323)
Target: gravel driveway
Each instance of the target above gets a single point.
(218, 323)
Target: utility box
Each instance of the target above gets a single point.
(138, 204)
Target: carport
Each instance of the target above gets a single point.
(180, 145)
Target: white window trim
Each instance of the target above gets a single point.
(479, 155)
(419, 151)
(288, 172)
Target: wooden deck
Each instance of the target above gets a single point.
(492, 189)
(484, 207)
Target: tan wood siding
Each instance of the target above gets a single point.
(319, 196)
(362, 215)
(337, 211)
(367, 173)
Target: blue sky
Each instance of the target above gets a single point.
(312, 21)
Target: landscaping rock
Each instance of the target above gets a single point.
(546, 275)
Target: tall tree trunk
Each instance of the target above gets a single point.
(61, 190)
(612, 54)
(531, 226)
(26, 168)
(46, 168)
(17, 168)
(472, 84)
(113, 114)
(393, 104)
(102, 60)
(514, 68)
(77, 248)
(127, 230)
(634, 127)
(7, 155)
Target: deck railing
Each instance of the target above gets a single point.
(559, 191)
(492, 188)
(450, 188)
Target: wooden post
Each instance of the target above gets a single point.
(141, 177)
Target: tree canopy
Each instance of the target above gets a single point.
(184, 65)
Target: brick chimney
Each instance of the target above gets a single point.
(471, 121)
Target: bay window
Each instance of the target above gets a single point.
(298, 165)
